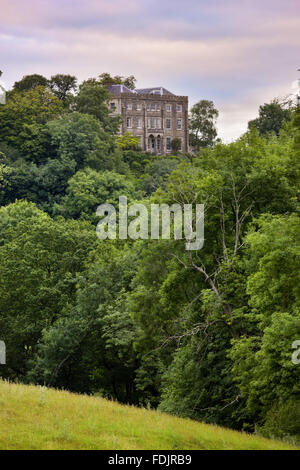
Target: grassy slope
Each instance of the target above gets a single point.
(40, 418)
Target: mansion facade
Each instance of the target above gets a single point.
(154, 115)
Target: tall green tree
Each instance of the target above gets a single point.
(107, 79)
(40, 262)
(271, 118)
(87, 189)
(202, 124)
(91, 349)
(28, 82)
(93, 99)
(80, 137)
(23, 116)
(63, 85)
(263, 365)
(190, 306)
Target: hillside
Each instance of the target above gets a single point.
(40, 418)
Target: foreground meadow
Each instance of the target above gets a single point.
(39, 418)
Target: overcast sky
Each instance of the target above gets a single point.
(238, 53)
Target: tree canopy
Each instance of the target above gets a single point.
(202, 121)
(271, 118)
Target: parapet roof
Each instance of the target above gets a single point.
(118, 89)
(154, 91)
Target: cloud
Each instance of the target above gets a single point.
(236, 53)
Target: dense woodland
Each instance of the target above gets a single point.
(205, 334)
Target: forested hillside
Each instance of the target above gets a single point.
(202, 334)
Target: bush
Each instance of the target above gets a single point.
(283, 421)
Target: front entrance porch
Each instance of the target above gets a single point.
(155, 144)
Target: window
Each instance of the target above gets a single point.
(138, 106)
(129, 122)
(158, 107)
(168, 143)
(152, 106)
(151, 144)
(139, 123)
(148, 106)
(179, 108)
(180, 144)
(169, 108)
(140, 141)
(153, 123)
(112, 106)
(129, 106)
(178, 123)
(168, 123)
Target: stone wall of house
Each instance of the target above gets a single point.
(155, 119)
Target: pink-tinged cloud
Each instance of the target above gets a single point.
(237, 53)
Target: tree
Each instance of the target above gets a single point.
(176, 145)
(107, 79)
(5, 173)
(263, 365)
(40, 262)
(93, 99)
(296, 128)
(91, 349)
(87, 189)
(202, 122)
(29, 82)
(80, 137)
(63, 85)
(43, 184)
(127, 141)
(189, 306)
(25, 109)
(130, 82)
(157, 172)
(271, 118)
(36, 145)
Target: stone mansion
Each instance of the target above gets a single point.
(154, 115)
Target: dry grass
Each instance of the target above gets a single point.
(40, 418)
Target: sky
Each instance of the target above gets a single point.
(237, 53)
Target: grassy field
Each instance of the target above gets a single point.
(40, 418)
